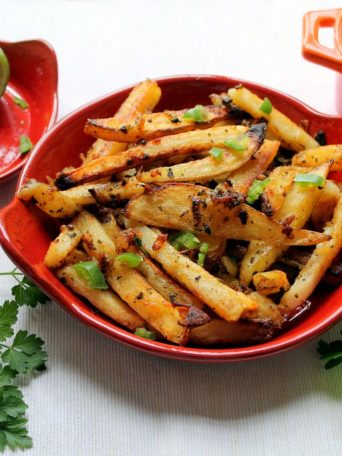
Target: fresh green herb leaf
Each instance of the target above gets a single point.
(25, 354)
(13, 433)
(217, 153)
(310, 179)
(20, 102)
(11, 403)
(197, 114)
(90, 271)
(142, 332)
(184, 239)
(8, 316)
(27, 293)
(131, 260)
(137, 241)
(203, 251)
(330, 352)
(266, 106)
(238, 144)
(6, 376)
(256, 190)
(25, 144)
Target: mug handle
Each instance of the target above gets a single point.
(312, 49)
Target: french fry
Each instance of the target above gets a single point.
(150, 126)
(197, 209)
(280, 181)
(227, 303)
(222, 332)
(203, 169)
(315, 268)
(158, 149)
(104, 300)
(320, 155)
(324, 210)
(130, 285)
(167, 287)
(142, 98)
(67, 240)
(295, 212)
(270, 282)
(281, 127)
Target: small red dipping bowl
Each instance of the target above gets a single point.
(25, 233)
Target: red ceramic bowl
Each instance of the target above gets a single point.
(34, 78)
(25, 233)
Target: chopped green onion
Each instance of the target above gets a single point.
(25, 144)
(237, 144)
(197, 114)
(203, 250)
(130, 259)
(310, 179)
(20, 102)
(256, 190)
(143, 332)
(266, 106)
(184, 239)
(217, 153)
(90, 271)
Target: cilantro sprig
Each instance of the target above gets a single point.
(330, 352)
(21, 354)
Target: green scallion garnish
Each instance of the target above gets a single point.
(310, 179)
(25, 144)
(143, 332)
(197, 114)
(184, 239)
(256, 190)
(131, 260)
(90, 271)
(217, 153)
(266, 106)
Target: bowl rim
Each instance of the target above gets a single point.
(200, 354)
(4, 176)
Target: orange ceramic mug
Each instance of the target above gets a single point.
(314, 51)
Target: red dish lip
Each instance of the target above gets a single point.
(26, 247)
(34, 77)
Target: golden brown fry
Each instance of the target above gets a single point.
(227, 303)
(196, 208)
(325, 206)
(270, 282)
(320, 155)
(313, 271)
(280, 181)
(142, 98)
(104, 300)
(282, 128)
(130, 285)
(294, 213)
(150, 126)
(158, 149)
(203, 169)
(67, 240)
(222, 332)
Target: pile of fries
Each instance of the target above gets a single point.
(206, 226)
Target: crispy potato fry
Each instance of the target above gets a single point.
(324, 210)
(104, 300)
(227, 303)
(320, 155)
(49, 199)
(143, 98)
(150, 126)
(76, 256)
(222, 332)
(294, 213)
(315, 268)
(281, 127)
(203, 169)
(280, 182)
(67, 240)
(167, 287)
(158, 149)
(130, 285)
(196, 208)
(270, 282)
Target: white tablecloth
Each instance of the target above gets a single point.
(98, 397)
